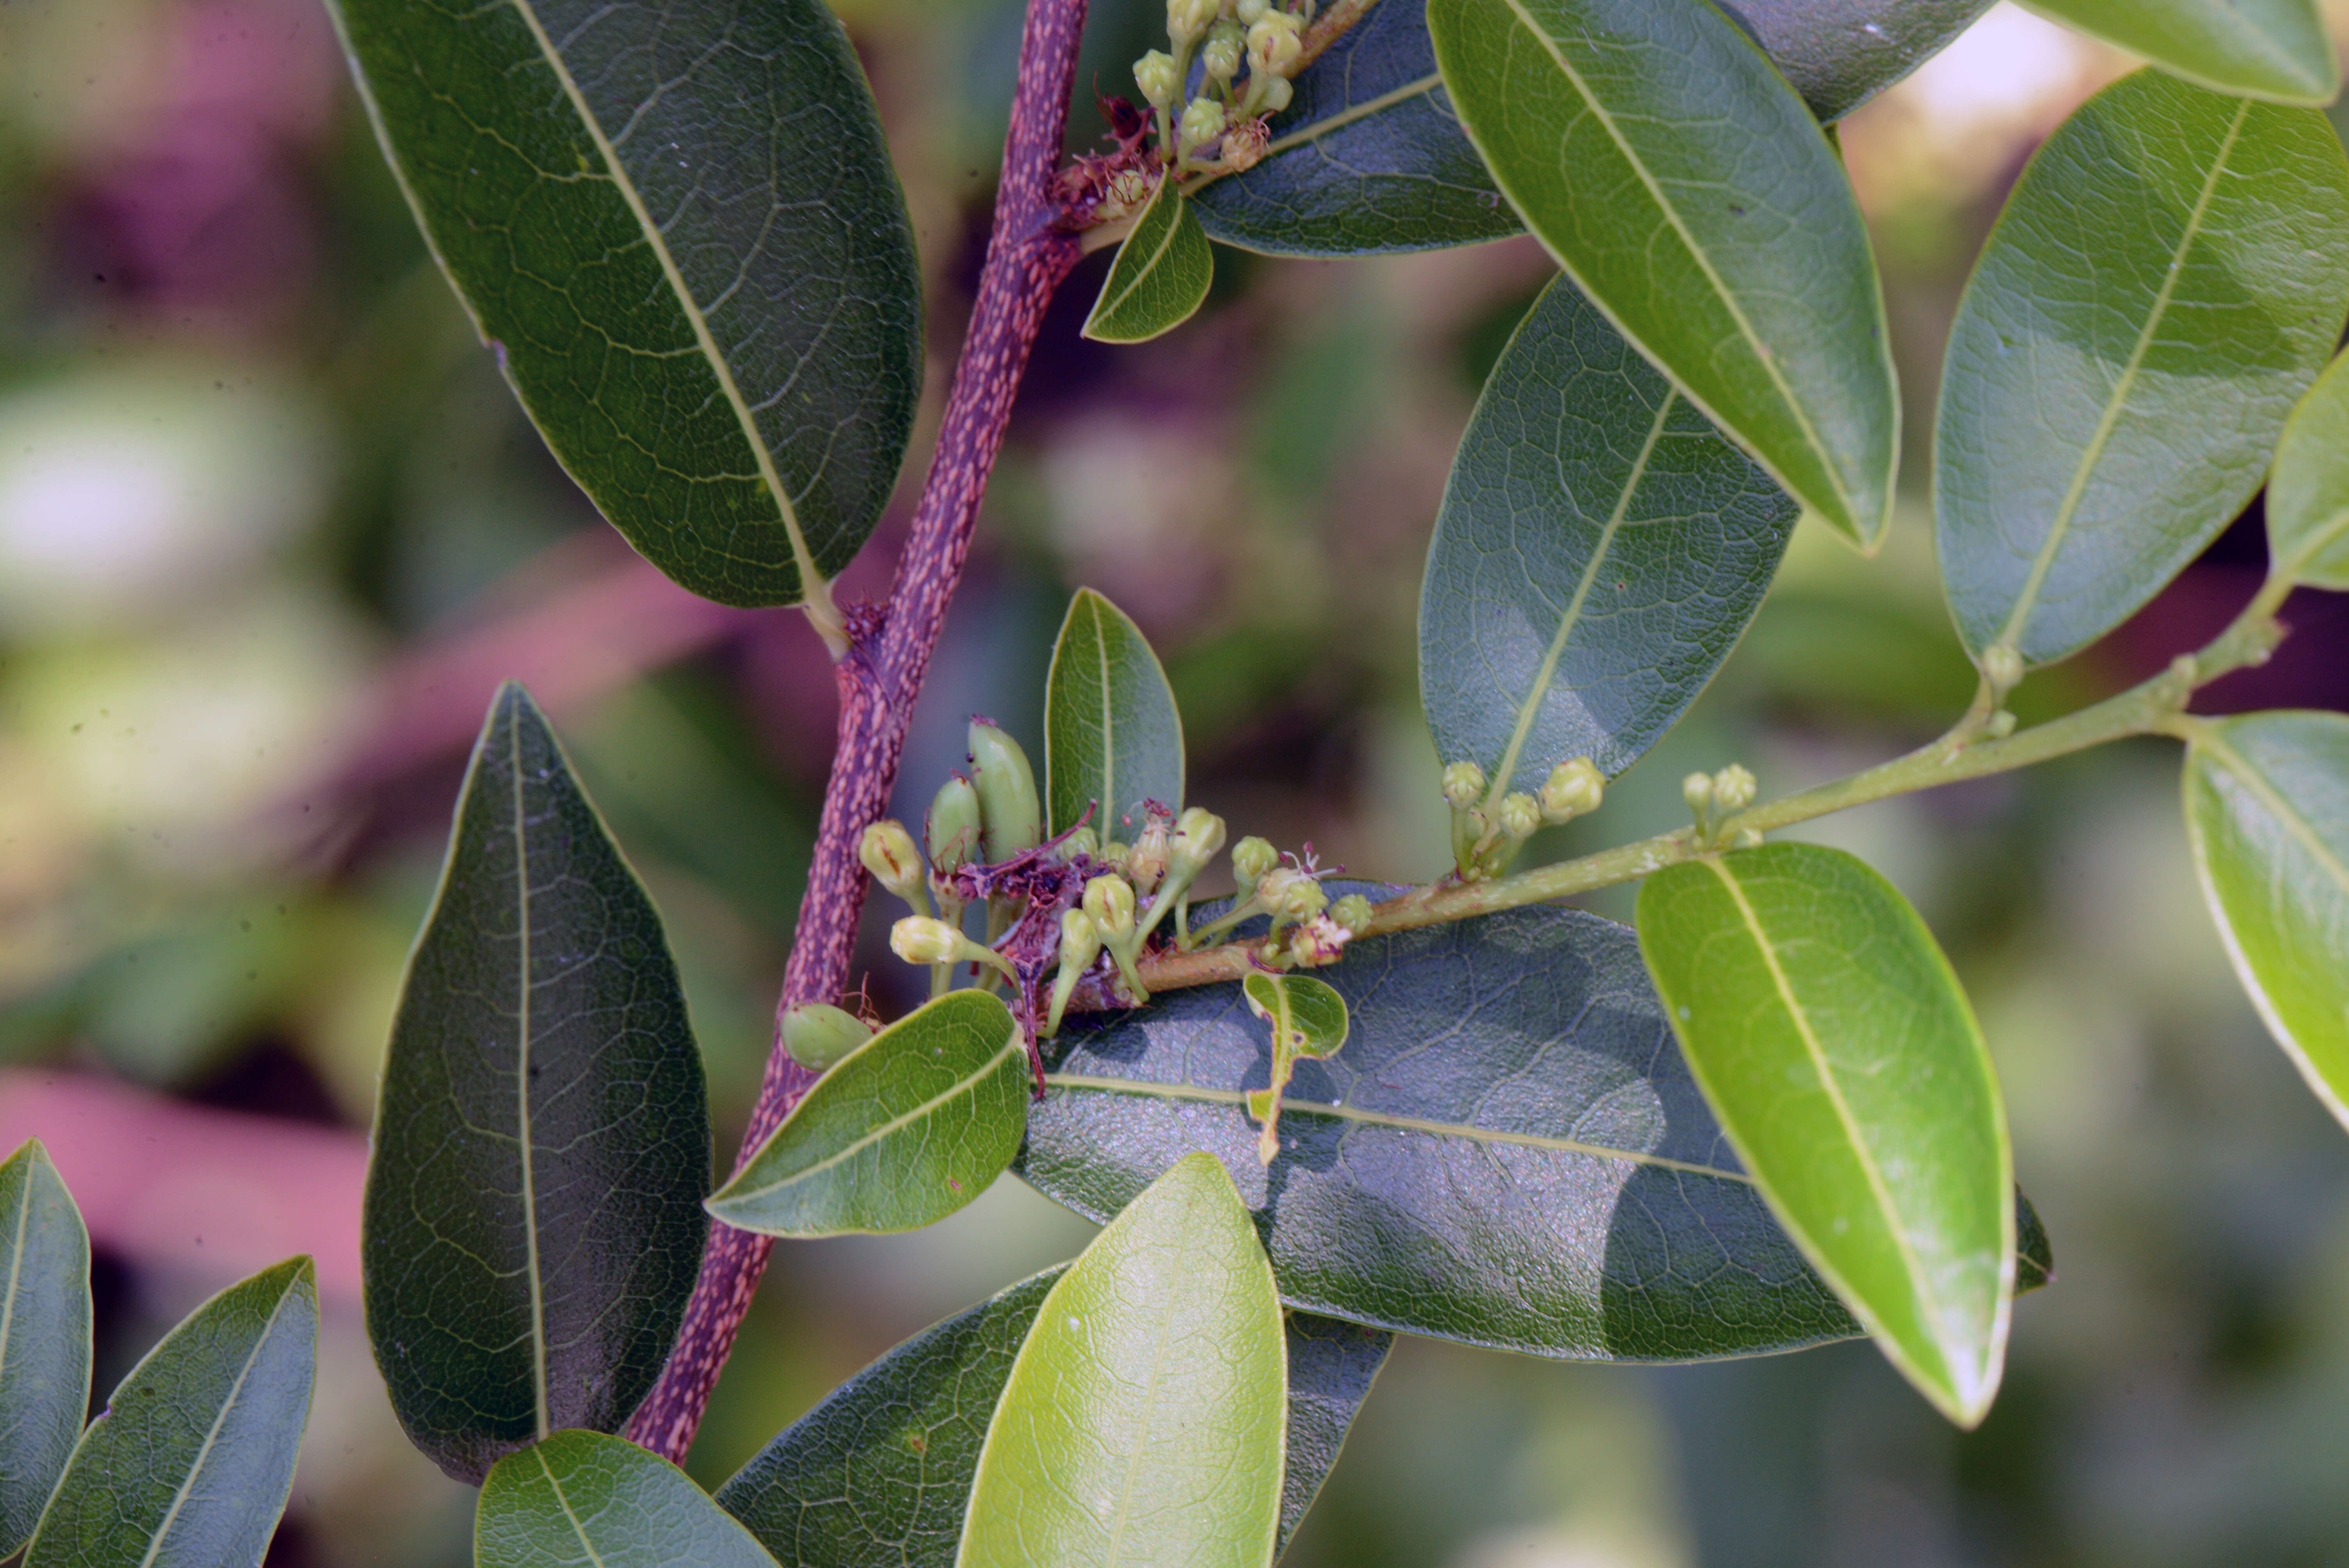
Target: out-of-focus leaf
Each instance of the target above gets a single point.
(1160, 275)
(878, 1476)
(2166, 248)
(2274, 49)
(1144, 1418)
(682, 232)
(45, 1337)
(581, 1500)
(193, 1461)
(905, 1130)
(1112, 738)
(2308, 490)
(1309, 1024)
(1687, 190)
(1841, 53)
(1600, 549)
(2267, 810)
(534, 1214)
(1367, 158)
(1834, 1044)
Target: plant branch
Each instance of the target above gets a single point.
(1029, 253)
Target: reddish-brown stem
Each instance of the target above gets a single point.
(1028, 255)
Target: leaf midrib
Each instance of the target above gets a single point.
(1108, 725)
(2110, 420)
(2294, 821)
(212, 1434)
(563, 1501)
(544, 1416)
(811, 580)
(1312, 131)
(1166, 191)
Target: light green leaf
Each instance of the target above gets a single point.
(904, 1131)
(193, 1461)
(1143, 1421)
(681, 231)
(45, 1337)
(879, 1475)
(581, 1500)
(2267, 810)
(1112, 739)
(2166, 247)
(1847, 1071)
(1599, 551)
(1309, 1024)
(2308, 489)
(2274, 49)
(513, 1287)
(1686, 189)
(1160, 275)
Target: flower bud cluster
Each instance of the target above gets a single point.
(1714, 798)
(1246, 52)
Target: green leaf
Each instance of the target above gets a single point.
(1600, 549)
(1688, 193)
(2308, 489)
(515, 1284)
(2267, 809)
(1160, 275)
(1841, 53)
(1309, 1024)
(904, 1131)
(45, 1337)
(681, 231)
(581, 1500)
(1833, 1042)
(2166, 252)
(878, 1476)
(2274, 49)
(1143, 1421)
(193, 1461)
(1112, 738)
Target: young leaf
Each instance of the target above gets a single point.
(193, 1461)
(2267, 810)
(1685, 188)
(1600, 549)
(682, 233)
(1309, 1024)
(878, 1476)
(533, 1220)
(1833, 1042)
(1112, 739)
(2165, 248)
(1143, 1419)
(45, 1337)
(581, 1500)
(1160, 275)
(1840, 55)
(903, 1130)
(2308, 489)
(2274, 49)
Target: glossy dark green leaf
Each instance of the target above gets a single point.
(904, 1131)
(2267, 810)
(1367, 158)
(1160, 275)
(45, 1337)
(534, 1214)
(878, 1476)
(2167, 253)
(193, 1461)
(2308, 489)
(681, 231)
(2275, 49)
(581, 1500)
(1841, 53)
(1309, 1024)
(1112, 739)
(1144, 1420)
(1833, 1042)
(1600, 549)
(1683, 185)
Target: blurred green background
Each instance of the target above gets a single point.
(271, 529)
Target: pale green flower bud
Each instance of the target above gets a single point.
(1520, 814)
(1009, 820)
(1464, 785)
(1291, 895)
(1155, 75)
(1273, 44)
(2003, 668)
(1222, 56)
(1572, 790)
(1251, 858)
(1081, 841)
(1251, 12)
(1353, 912)
(1202, 121)
(818, 1034)
(918, 939)
(1109, 900)
(1697, 790)
(2002, 724)
(1275, 94)
(1146, 864)
(1114, 853)
(1080, 939)
(1198, 834)
(953, 829)
(888, 853)
(1244, 143)
(1186, 19)
(1733, 788)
